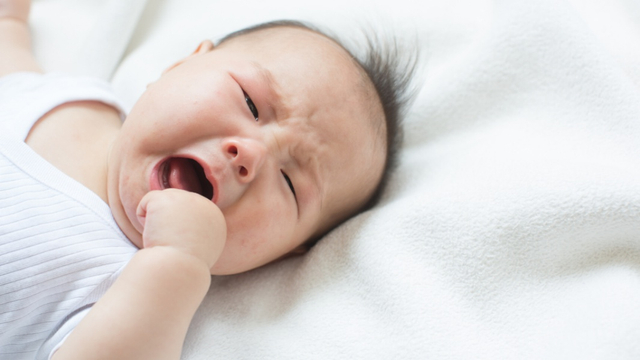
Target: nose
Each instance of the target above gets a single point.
(246, 157)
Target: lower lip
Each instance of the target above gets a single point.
(154, 182)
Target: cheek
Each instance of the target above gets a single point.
(123, 198)
(129, 177)
(251, 227)
(131, 192)
(256, 234)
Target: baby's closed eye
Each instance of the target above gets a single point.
(286, 178)
(251, 105)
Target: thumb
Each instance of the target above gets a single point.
(141, 210)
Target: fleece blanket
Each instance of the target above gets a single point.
(511, 228)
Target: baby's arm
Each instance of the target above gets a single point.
(146, 313)
(15, 40)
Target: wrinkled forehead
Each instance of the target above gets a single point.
(287, 38)
(351, 154)
(282, 46)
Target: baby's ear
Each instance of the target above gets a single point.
(203, 48)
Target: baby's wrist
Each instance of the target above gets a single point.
(176, 259)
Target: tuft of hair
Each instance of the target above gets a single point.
(390, 67)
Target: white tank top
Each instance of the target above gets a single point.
(60, 248)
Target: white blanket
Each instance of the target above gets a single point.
(511, 229)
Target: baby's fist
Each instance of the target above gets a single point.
(183, 220)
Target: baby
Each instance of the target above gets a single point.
(239, 155)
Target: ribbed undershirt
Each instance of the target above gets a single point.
(60, 248)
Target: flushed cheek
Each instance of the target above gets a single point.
(120, 197)
(130, 196)
(134, 170)
(247, 231)
(254, 238)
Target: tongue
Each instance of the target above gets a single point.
(182, 175)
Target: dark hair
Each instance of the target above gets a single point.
(390, 72)
(390, 69)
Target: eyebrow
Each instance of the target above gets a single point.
(312, 166)
(315, 174)
(275, 98)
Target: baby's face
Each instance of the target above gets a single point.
(275, 126)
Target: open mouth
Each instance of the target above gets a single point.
(186, 174)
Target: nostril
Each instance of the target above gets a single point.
(243, 171)
(233, 150)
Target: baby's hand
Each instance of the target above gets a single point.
(183, 220)
(17, 9)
